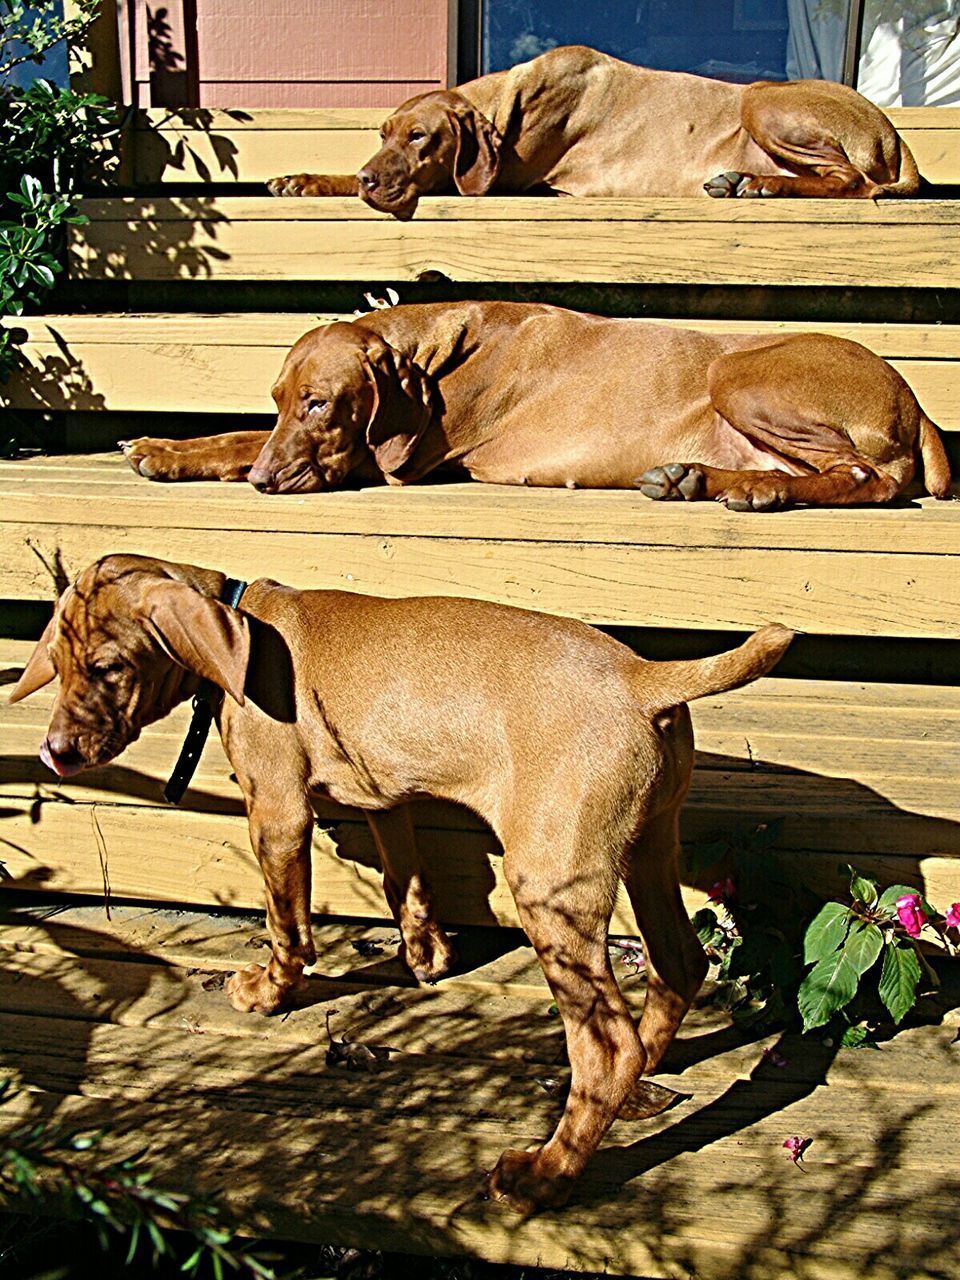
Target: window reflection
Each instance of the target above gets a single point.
(910, 49)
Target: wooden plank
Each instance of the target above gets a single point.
(157, 854)
(219, 146)
(449, 1020)
(891, 736)
(218, 941)
(160, 210)
(232, 153)
(353, 1172)
(184, 364)
(101, 492)
(936, 151)
(835, 593)
(908, 244)
(281, 329)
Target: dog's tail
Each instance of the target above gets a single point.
(677, 682)
(936, 464)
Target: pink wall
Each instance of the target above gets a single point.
(285, 53)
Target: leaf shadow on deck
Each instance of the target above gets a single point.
(837, 817)
(53, 382)
(171, 238)
(390, 1152)
(176, 142)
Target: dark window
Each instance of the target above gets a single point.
(907, 52)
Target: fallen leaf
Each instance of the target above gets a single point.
(647, 1099)
(352, 1054)
(367, 946)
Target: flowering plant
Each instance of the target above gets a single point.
(762, 929)
(844, 944)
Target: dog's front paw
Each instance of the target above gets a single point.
(294, 184)
(744, 186)
(755, 495)
(252, 990)
(428, 953)
(154, 459)
(520, 1182)
(675, 480)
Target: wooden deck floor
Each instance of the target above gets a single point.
(123, 1022)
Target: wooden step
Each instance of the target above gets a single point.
(242, 146)
(909, 244)
(867, 773)
(227, 363)
(604, 556)
(120, 1024)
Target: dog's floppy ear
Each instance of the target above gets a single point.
(402, 404)
(201, 634)
(39, 669)
(476, 163)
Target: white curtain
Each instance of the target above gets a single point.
(909, 54)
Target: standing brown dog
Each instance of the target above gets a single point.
(580, 123)
(518, 393)
(374, 702)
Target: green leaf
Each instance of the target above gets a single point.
(862, 888)
(31, 187)
(829, 985)
(899, 978)
(855, 1036)
(705, 924)
(826, 932)
(156, 1238)
(864, 943)
(134, 1241)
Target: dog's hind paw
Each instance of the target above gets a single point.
(726, 186)
(519, 1182)
(675, 480)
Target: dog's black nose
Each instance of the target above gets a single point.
(261, 478)
(368, 180)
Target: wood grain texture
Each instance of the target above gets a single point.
(120, 1025)
(719, 587)
(227, 364)
(892, 243)
(219, 146)
(101, 491)
(850, 771)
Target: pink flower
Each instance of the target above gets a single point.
(797, 1148)
(952, 918)
(631, 953)
(775, 1058)
(723, 891)
(911, 914)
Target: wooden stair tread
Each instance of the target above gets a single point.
(848, 243)
(145, 1050)
(226, 364)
